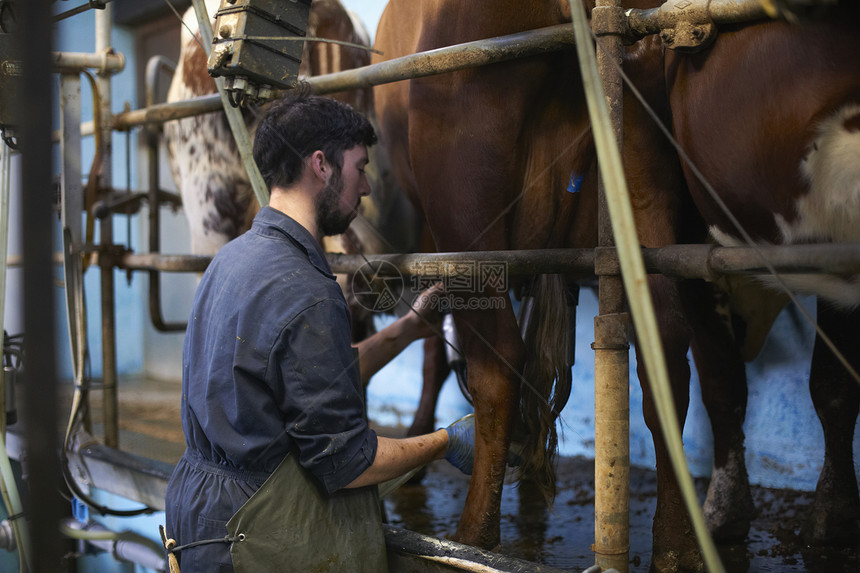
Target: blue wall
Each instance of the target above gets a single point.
(784, 440)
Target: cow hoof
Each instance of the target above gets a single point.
(677, 562)
(729, 521)
(833, 527)
(729, 507)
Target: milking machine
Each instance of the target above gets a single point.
(258, 47)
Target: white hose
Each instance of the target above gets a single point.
(635, 279)
(13, 505)
(8, 486)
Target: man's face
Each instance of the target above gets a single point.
(337, 204)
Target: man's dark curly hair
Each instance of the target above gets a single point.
(291, 129)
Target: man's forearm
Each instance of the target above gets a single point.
(379, 349)
(395, 457)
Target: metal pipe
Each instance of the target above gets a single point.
(635, 284)
(90, 5)
(163, 263)
(7, 536)
(123, 546)
(452, 58)
(448, 59)
(109, 368)
(153, 67)
(643, 22)
(611, 349)
(104, 62)
(678, 261)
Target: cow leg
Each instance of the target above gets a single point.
(495, 359)
(833, 519)
(722, 374)
(674, 544)
(435, 371)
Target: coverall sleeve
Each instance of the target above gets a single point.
(321, 396)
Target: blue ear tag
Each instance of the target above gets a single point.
(575, 183)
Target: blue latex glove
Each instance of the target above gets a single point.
(461, 444)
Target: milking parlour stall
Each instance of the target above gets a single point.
(645, 217)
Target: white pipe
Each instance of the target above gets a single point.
(103, 62)
(8, 485)
(123, 545)
(19, 525)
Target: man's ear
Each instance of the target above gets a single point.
(319, 165)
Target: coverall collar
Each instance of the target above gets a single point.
(271, 222)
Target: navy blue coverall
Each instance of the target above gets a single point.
(267, 369)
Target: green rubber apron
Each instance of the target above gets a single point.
(292, 524)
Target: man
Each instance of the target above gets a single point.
(280, 468)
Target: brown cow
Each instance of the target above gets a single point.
(491, 153)
(770, 115)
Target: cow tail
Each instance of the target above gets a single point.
(546, 384)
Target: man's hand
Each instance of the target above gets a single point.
(461, 444)
(424, 315)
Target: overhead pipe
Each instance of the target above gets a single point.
(452, 58)
(105, 62)
(639, 23)
(644, 22)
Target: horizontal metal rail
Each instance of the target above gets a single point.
(653, 20)
(681, 261)
(452, 58)
(459, 57)
(106, 62)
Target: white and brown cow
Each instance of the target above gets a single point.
(216, 194)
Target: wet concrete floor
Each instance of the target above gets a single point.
(150, 426)
(562, 537)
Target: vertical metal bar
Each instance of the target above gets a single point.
(151, 132)
(109, 369)
(44, 506)
(72, 194)
(155, 238)
(611, 371)
(70, 148)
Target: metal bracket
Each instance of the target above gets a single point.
(683, 25)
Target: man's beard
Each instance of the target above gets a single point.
(327, 204)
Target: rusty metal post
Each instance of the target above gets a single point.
(611, 352)
(109, 368)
